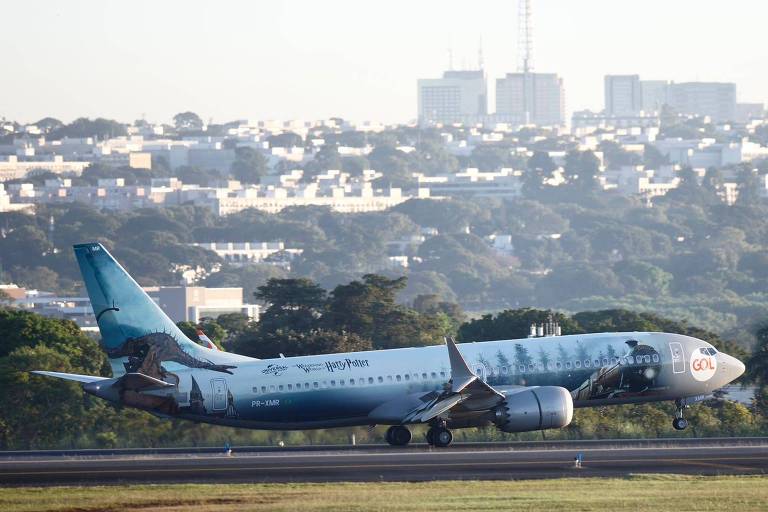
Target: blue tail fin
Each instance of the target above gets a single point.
(136, 334)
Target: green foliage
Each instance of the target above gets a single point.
(249, 165)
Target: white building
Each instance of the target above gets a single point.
(243, 253)
(531, 98)
(716, 100)
(623, 95)
(655, 94)
(11, 168)
(457, 97)
(473, 182)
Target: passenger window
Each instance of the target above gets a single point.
(316, 384)
(647, 359)
(605, 361)
(503, 369)
(290, 387)
(351, 382)
(597, 363)
(280, 387)
(442, 375)
(630, 360)
(333, 383)
(424, 376)
(381, 379)
(398, 378)
(272, 388)
(567, 365)
(389, 378)
(407, 377)
(531, 367)
(263, 389)
(587, 363)
(255, 389)
(522, 368)
(655, 358)
(559, 365)
(370, 380)
(361, 381)
(341, 382)
(306, 385)
(434, 375)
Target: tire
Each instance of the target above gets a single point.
(442, 437)
(398, 435)
(679, 423)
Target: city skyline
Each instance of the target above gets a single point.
(279, 62)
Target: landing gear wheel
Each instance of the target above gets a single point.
(430, 435)
(679, 423)
(398, 435)
(442, 437)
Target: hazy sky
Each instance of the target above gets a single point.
(358, 59)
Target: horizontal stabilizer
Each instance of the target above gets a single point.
(141, 382)
(70, 376)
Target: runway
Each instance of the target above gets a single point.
(415, 463)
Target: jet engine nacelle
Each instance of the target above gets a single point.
(535, 408)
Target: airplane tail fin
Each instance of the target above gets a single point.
(135, 333)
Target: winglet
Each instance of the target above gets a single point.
(461, 375)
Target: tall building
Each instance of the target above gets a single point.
(530, 98)
(714, 99)
(623, 95)
(655, 94)
(457, 97)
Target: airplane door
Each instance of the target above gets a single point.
(678, 357)
(219, 392)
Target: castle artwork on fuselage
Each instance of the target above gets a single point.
(606, 375)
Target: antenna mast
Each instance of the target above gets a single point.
(525, 36)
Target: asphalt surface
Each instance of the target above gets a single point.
(415, 463)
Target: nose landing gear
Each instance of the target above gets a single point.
(679, 423)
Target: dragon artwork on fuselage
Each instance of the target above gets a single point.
(146, 355)
(608, 375)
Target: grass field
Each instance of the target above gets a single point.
(657, 493)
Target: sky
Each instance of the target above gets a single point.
(357, 59)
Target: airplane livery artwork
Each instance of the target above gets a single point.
(517, 385)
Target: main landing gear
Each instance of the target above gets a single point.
(679, 423)
(398, 435)
(438, 435)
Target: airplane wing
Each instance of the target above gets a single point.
(70, 376)
(467, 391)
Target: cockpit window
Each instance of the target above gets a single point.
(708, 351)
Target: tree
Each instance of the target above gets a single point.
(249, 165)
(513, 324)
(83, 127)
(293, 304)
(582, 169)
(187, 121)
(749, 187)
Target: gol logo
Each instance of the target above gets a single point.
(703, 367)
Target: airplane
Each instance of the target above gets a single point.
(518, 385)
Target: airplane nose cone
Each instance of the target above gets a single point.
(733, 367)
